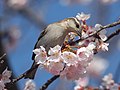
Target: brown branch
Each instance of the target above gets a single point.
(44, 87)
(2, 61)
(21, 76)
(3, 56)
(117, 74)
(117, 32)
(94, 34)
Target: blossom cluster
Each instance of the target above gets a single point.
(72, 63)
(107, 84)
(4, 78)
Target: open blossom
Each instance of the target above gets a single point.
(82, 16)
(98, 26)
(69, 58)
(30, 85)
(73, 72)
(6, 76)
(54, 67)
(55, 52)
(104, 46)
(108, 82)
(83, 53)
(108, 79)
(101, 33)
(81, 82)
(41, 55)
(102, 36)
(86, 53)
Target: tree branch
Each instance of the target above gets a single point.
(44, 87)
(117, 32)
(3, 56)
(21, 76)
(94, 34)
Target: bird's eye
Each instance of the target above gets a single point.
(77, 25)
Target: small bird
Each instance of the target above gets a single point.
(54, 35)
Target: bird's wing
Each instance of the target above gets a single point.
(41, 35)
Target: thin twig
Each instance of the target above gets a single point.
(2, 61)
(117, 74)
(22, 75)
(113, 34)
(3, 56)
(44, 87)
(94, 34)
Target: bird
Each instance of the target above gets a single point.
(55, 34)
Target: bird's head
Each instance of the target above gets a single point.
(73, 25)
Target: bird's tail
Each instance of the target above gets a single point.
(31, 72)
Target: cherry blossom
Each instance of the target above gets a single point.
(81, 82)
(54, 67)
(108, 79)
(108, 83)
(73, 72)
(41, 55)
(55, 52)
(82, 16)
(86, 54)
(101, 33)
(104, 46)
(30, 85)
(6, 76)
(69, 58)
